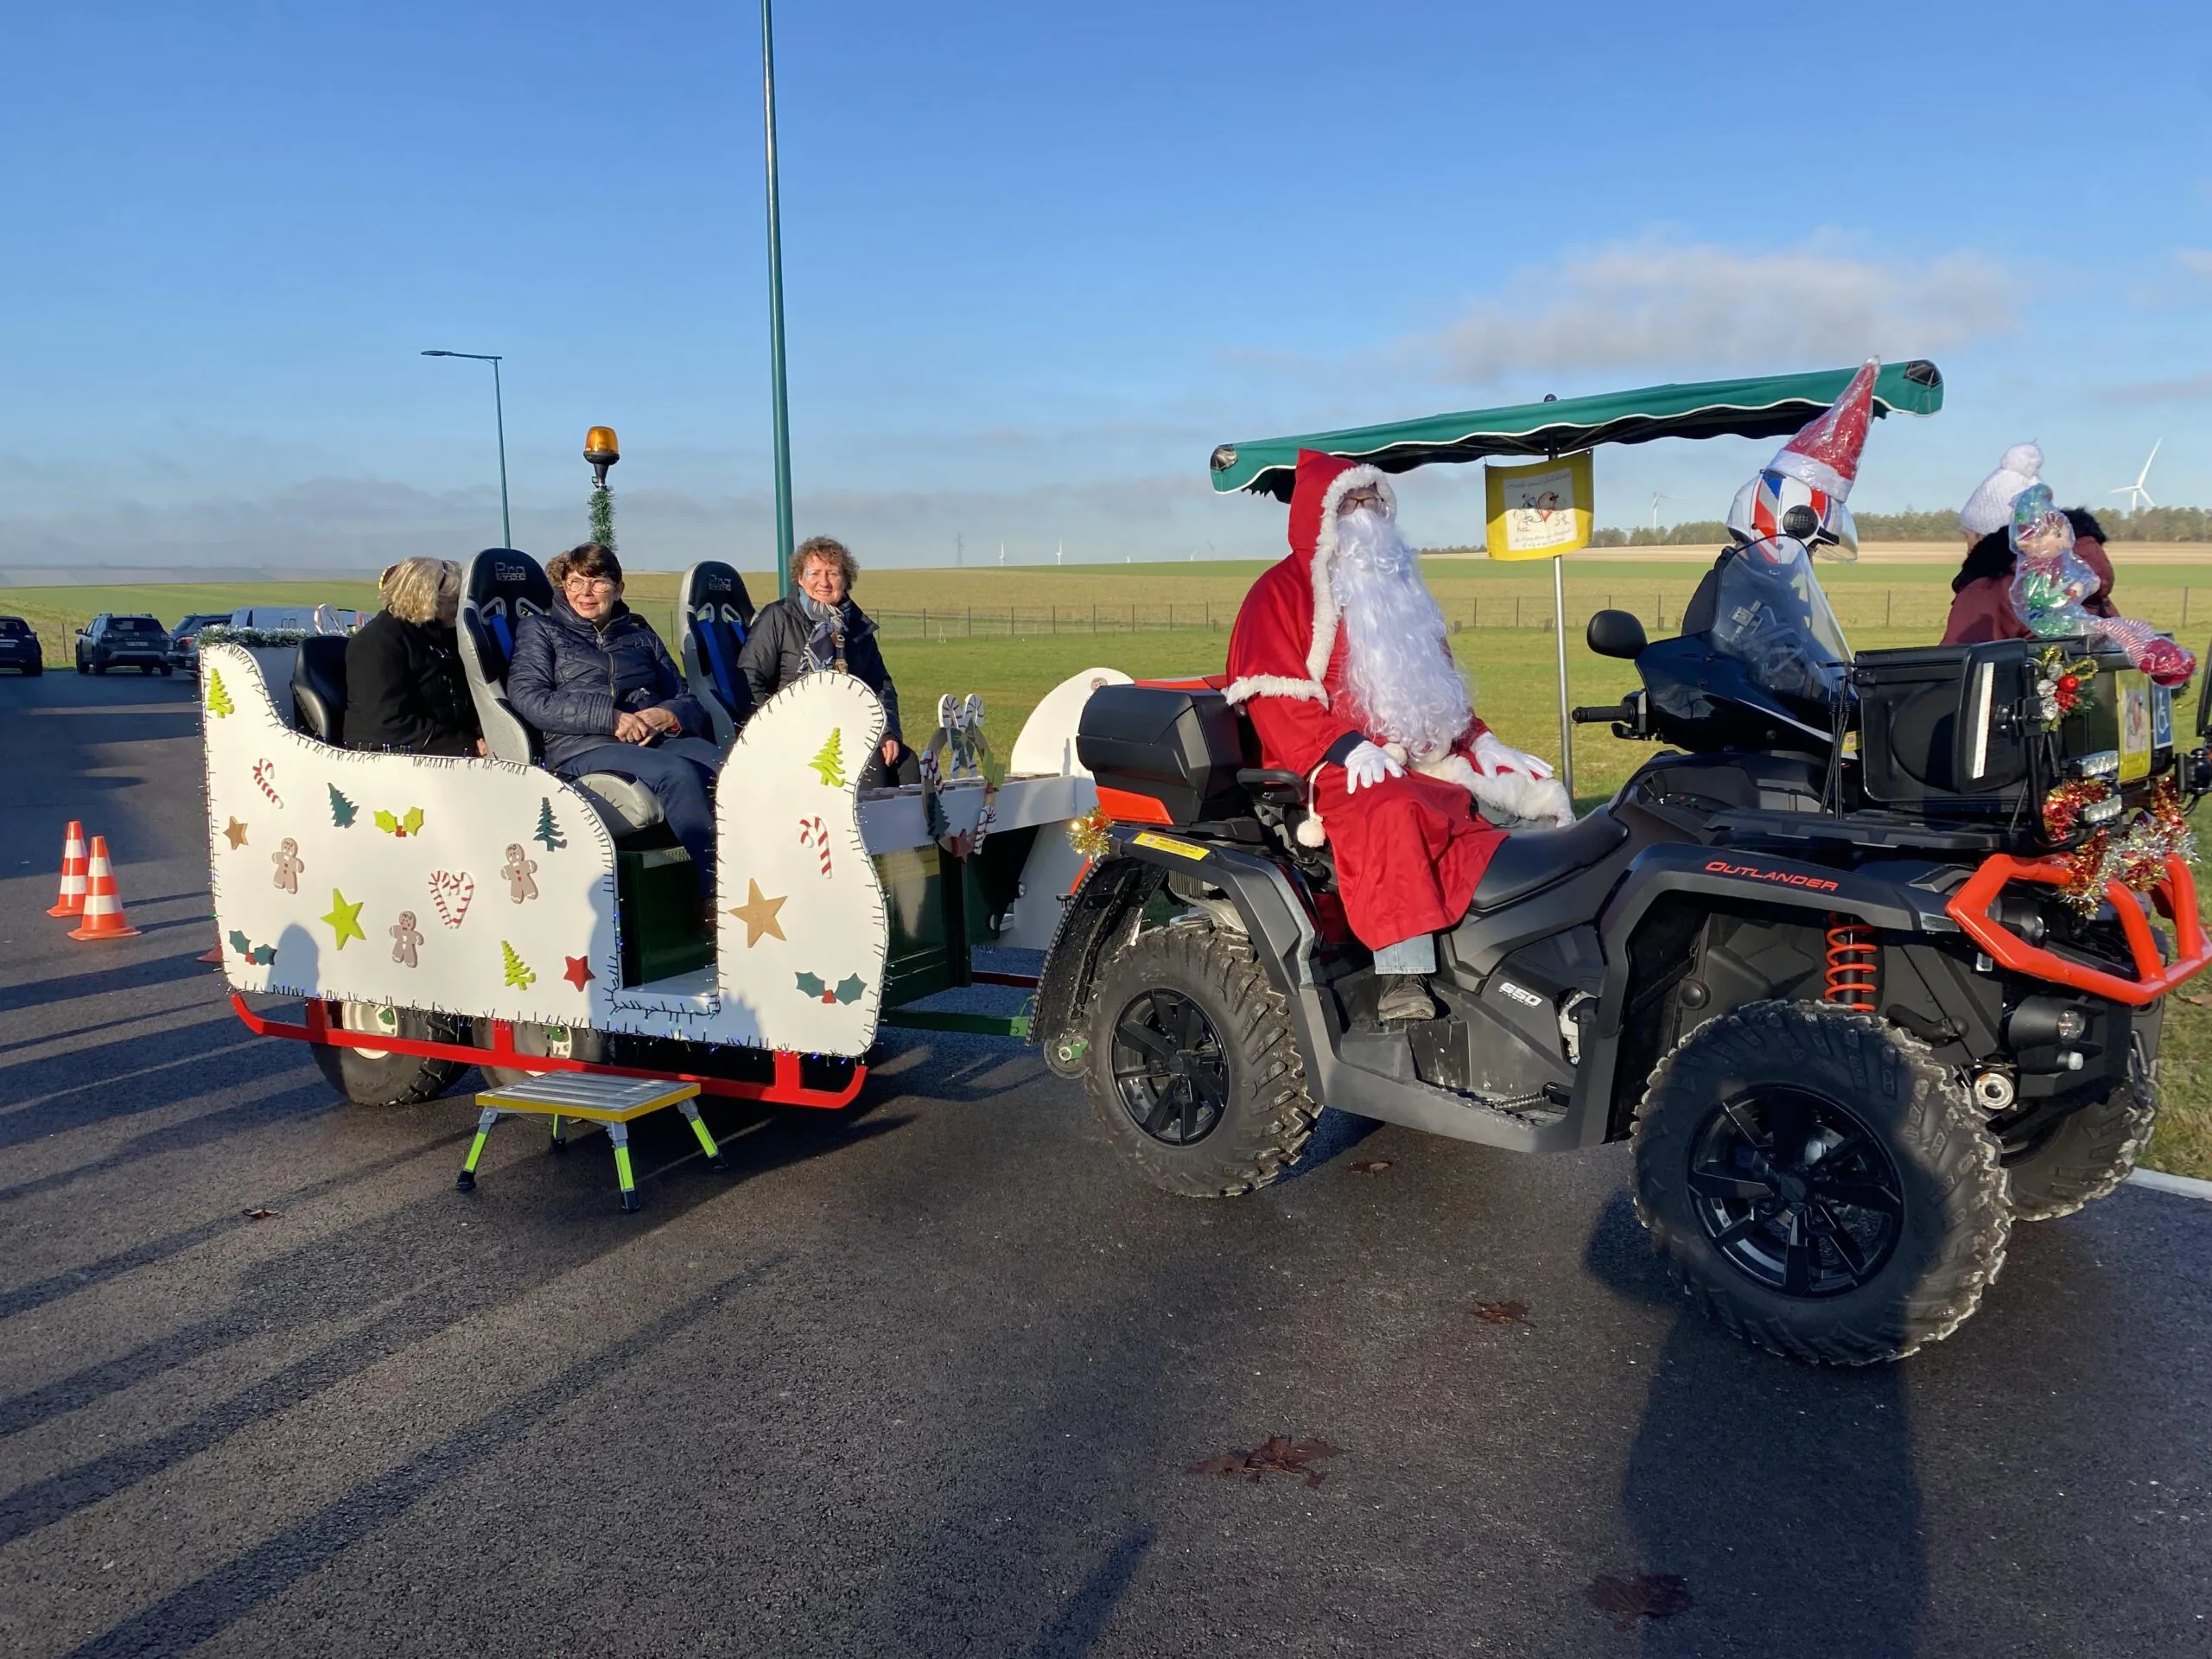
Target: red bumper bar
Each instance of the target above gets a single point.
(787, 1090)
(2174, 896)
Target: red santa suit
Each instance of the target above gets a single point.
(1411, 848)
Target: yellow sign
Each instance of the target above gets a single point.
(2134, 725)
(1540, 511)
(1168, 844)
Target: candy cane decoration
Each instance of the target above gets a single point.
(263, 772)
(811, 833)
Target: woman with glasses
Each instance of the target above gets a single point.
(595, 680)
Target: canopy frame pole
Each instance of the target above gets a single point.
(1558, 631)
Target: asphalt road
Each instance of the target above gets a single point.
(931, 1377)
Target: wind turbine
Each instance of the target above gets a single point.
(1060, 553)
(2135, 492)
(1656, 498)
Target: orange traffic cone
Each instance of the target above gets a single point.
(72, 901)
(103, 917)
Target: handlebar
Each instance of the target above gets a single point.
(1623, 710)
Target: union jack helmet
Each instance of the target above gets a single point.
(1767, 507)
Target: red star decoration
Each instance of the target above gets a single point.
(579, 971)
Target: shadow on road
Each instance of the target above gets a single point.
(1824, 1457)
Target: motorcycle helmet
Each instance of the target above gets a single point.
(1775, 503)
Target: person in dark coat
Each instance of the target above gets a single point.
(405, 688)
(1982, 607)
(818, 628)
(595, 680)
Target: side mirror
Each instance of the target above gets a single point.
(1615, 633)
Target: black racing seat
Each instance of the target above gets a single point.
(319, 687)
(501, 587)
(716, 613)
(1529, 860)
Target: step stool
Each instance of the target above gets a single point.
(588, 1097)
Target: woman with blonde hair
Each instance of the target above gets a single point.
(404, 689)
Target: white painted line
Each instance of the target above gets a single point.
(2159, 1181)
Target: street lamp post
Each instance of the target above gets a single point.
(500, 415)
(782, 417)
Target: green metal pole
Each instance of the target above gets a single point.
(500, 414)
(776, 315)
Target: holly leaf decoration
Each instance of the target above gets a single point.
(262, 955)
(810, 983)
(240, 943)
(386, 823)
(851, 990)
(412, 823)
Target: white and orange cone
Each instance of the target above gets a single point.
(103, 917)
(72, 901)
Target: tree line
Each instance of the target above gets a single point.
(2147, 525)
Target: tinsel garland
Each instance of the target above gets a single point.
(222, 634)
(2062, 807)
(602, 517)
(2135, 857)
(1088, 835)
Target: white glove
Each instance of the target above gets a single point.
(1511, 786)
(1492, 757)
(1367, 765)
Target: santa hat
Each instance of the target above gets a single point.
(1826, 454)
(1990, 507)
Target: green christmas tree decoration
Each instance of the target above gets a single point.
(219, 701)
(518, 974)
(828, 762)
(342, 810)
(602, 516)
(548, 831)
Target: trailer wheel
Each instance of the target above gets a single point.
(571, 1042)
(1194, 1069)
(1819, 1185)
(370, 1077)
(2087, 1154)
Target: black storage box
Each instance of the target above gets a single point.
(658, 893)
(1182, 748)
(1950, 730)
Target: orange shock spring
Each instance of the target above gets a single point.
(1852, 982)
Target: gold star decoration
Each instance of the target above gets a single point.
(757, 913)
(345, 919)
(236, 831)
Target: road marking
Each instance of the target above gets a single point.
(2159, 1181)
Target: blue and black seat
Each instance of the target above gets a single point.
(716, 613)
(501, 587)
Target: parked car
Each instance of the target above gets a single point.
(184, 639)
(110, 641)
(19, 646)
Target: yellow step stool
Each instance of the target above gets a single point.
(590, 1099)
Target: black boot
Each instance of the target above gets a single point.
(1405, 997)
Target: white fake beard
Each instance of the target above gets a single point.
(1399, 669)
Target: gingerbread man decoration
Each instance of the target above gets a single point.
(517, 872)
(288, 865)
(406, 939)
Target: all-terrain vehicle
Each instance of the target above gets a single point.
(1813, 961)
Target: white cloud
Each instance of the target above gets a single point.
(2197, 262)
(1658, 304)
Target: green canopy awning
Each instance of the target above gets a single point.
(1770, 406)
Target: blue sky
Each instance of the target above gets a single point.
(1040, 259)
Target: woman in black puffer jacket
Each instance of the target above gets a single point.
(595, 680)
(817, 628)
(404, 690)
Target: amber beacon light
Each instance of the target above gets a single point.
(601, 451)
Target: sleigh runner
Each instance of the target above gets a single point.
(436, 912)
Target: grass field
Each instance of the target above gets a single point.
(1513, 669)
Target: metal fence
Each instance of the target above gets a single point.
(1920, 608)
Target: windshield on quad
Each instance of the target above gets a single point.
(1770, 613)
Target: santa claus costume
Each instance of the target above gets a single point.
(1339, 657)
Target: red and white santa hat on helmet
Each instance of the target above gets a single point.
(1825, 455)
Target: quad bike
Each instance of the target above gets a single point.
(1813, 962)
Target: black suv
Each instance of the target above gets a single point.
(138, 642)
(184, 639)
(19, 646)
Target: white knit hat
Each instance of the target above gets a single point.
(1990, 506)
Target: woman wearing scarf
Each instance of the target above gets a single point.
(819, 629)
